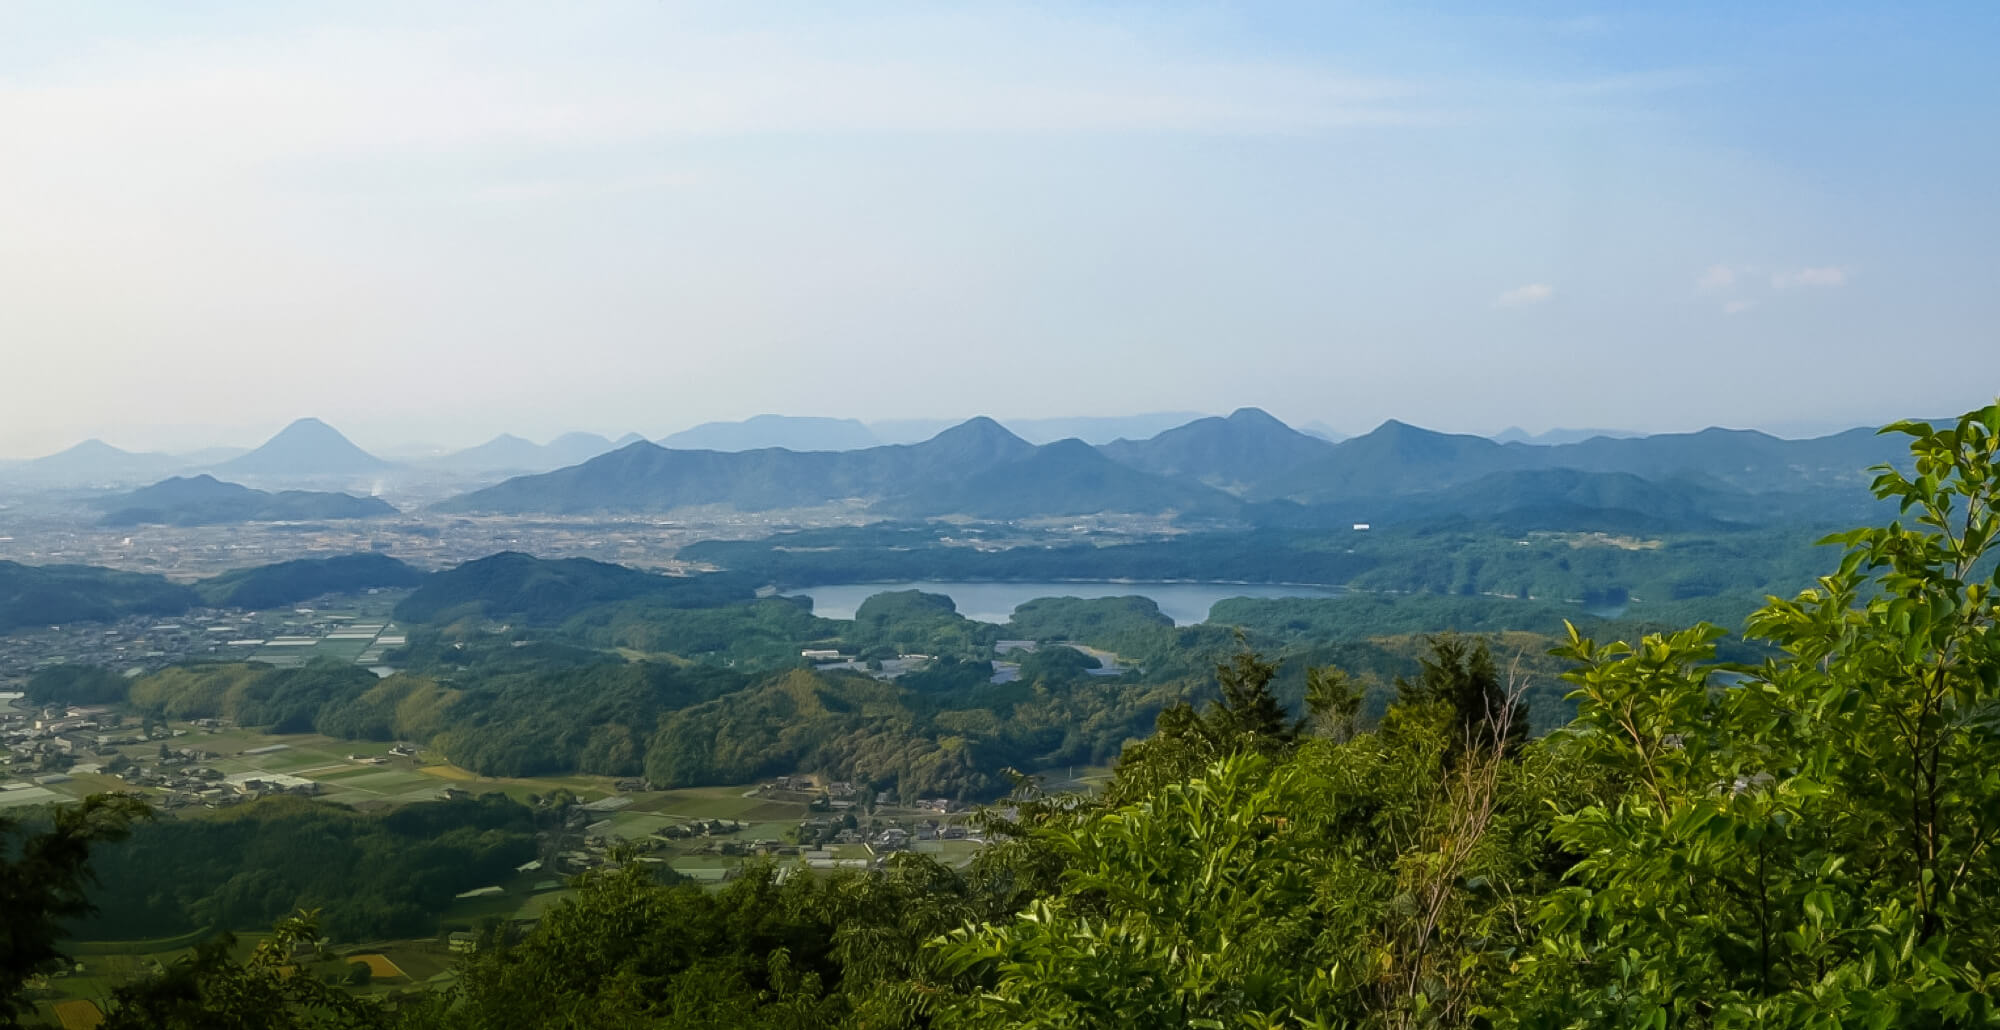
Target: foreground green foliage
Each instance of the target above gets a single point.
(1815, 846)
(44, 879)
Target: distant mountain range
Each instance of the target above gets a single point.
(804, 433)
(1068, 477)
(1515, 434)
(1247, 467)
(93, 463)
(306, 450)
(648, 477)
(510, 453)
(1091, 429)
(206, 501)
(791, 432)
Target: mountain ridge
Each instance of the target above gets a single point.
(203, 500)
(1247, 465)
(1232, 453)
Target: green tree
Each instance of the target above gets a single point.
(1811, 844)
(1245, 716)
(210, 990)
(1458, 679)
(44, 880)
(1333, 703)
(1183, 911)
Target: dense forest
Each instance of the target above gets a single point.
(268, 586)
(39, 595)
(369, 876)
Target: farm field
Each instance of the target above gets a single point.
(367, 775)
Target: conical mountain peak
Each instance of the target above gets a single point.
(307, 447)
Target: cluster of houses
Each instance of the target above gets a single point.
(881, 839)
(841, 795)
(55, 737)
(137, 643)
(51, 744)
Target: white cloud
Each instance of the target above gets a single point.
(1828, 276)
(1717, 277)
(1522, 296)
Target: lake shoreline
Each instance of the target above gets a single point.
(1187, 602)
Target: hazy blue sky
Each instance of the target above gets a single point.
(438, 221)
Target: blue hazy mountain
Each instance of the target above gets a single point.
(571, 448)
(1068, 477)
(976, 468)
(1397, 472)
(1744, 458)
(92, 463)
(510, 453)
(1091, 429)
(204, 501)
(308, 448)
(1398, 459)
(1551, 437)
(1237, 454)
(793, 433)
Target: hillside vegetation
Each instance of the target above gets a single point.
(204, 500)
(42, 595)
(1803, 841)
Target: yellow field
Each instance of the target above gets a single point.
(78, 1015)
(379, 965)
(448, 772)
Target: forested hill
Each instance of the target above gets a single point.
(509, 453)
(1248, 468)
(204, 500)
(39, 595)
(268, 586)
(1067, 477)
(540, 590)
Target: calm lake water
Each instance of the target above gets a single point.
(1185, 603)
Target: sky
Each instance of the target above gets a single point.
(431, 223)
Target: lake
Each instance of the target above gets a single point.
(1185, 603)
